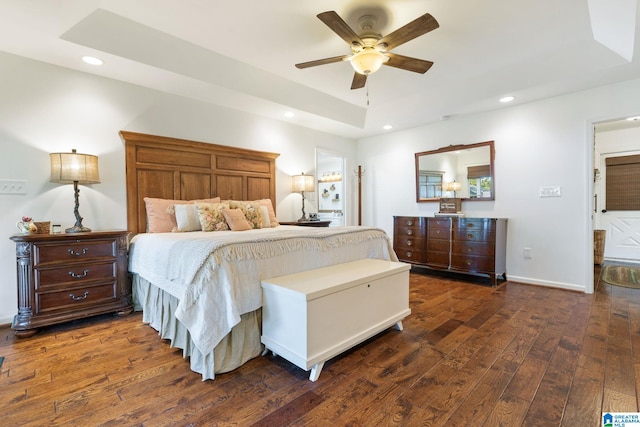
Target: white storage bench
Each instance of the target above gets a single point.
(312, 316)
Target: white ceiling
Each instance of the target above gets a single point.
(241, 53)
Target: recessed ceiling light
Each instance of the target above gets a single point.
(387, 127)
(92, 60)
(289, 114)
(507, 99)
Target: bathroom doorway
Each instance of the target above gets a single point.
(332, 191)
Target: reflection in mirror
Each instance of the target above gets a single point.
(462, 171)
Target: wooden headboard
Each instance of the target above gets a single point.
(171, 168)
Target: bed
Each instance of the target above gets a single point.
(201, 289)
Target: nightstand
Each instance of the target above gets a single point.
(307, 223)
(64, 277)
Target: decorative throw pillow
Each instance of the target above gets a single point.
(264, 213)
(187, 218)
(273, 221)
(251, 211)
(161, 221)
(236, 219)
(211, 217)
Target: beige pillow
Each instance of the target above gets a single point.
(236, 219)
(273, 221)
(159, 220)
(211, 217)
(187, 218)
(264, 213)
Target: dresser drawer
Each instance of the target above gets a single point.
(438, 245)
(472, 263)
(439, 233)
(76, 298)
(474, 224)
(74, 273)
(73, 251)
(408, 221)
(401, 231)
(473, 248)
(472, 235)
(438, 259)
(410, 255)
(444, 223)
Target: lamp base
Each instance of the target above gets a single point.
(77, 229)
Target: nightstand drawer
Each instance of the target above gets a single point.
(74, 273)
(75, 298)
(73, 251)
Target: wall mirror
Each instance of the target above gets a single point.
(462, 171)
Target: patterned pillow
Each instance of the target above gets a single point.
(251, 211)
(236, 219)
(211, 216)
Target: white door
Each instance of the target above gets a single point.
(622, 241)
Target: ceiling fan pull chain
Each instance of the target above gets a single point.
(367, 92)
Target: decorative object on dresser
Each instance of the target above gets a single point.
(465, 245)
(63, 277)
(301, 183)
(74, 168)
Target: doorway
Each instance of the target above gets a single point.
(613, 141)
(332, 191)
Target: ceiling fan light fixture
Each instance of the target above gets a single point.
(368, 61)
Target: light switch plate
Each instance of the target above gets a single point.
(13, 186)
(553, 191)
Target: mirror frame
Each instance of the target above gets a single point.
(490, 144)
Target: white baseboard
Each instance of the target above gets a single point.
(547, 283)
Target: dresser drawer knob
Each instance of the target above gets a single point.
(410, 222)
(409, 232)
(469, 225)
(469, 236)
(78, 276)
(409, 242)
(75, 298)
(468, 262)
(73, 252)
(409, 254)
(469, 249)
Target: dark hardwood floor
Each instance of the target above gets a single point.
(469, 355)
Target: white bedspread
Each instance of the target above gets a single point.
(216, 275)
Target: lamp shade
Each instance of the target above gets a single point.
(67, 168)
(302, 183)
(453, 186)
(368, 61)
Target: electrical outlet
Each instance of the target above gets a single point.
(13, 186)
(526, 253)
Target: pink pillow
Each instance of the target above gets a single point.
(159, 220)
(236, 219)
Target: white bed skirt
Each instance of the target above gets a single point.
(236, 348)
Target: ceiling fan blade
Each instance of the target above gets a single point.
(359, 80)
(407, 63)
(338, 26)
(413, 29)
(322, 61)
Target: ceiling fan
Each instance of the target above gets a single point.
(369, 50)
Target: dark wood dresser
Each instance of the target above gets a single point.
(63, 277)
(460, 244)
